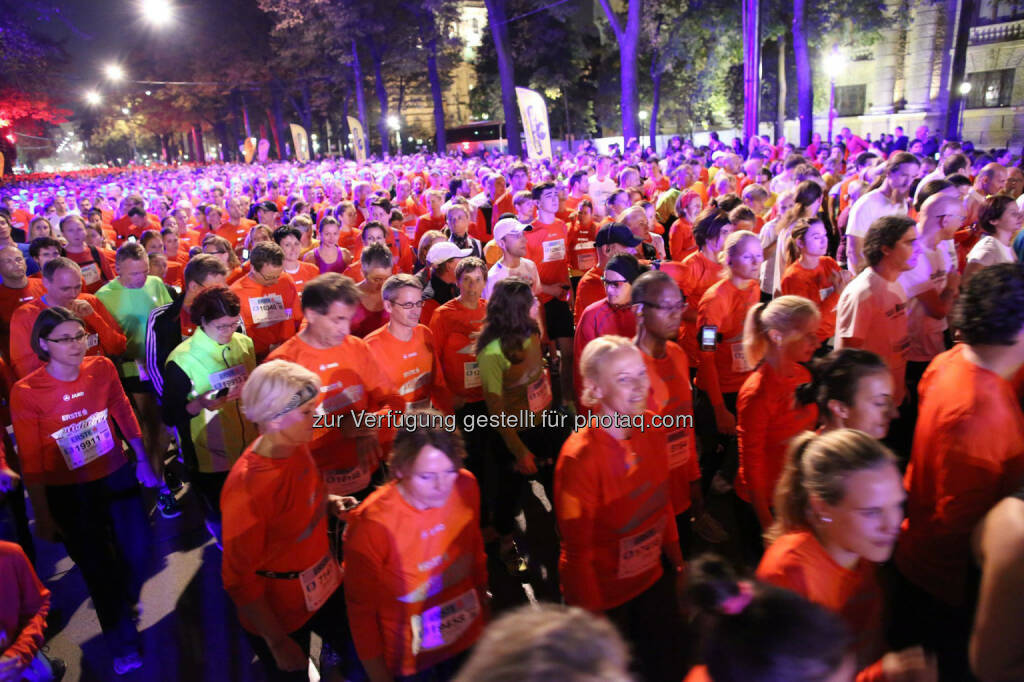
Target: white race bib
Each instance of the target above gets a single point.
(347, 481)
(85, 441)
(739, 358)
(678, 448)
(471, 374)
(319, 582)
(641, 552)
(90, 274)
(93, 340)
(538, 394)
(586, 260)
(267, 310)
(232, 378)
(444, 624)
(554, 250)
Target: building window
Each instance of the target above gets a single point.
(998, 11)
(990, 88)
(850, 99)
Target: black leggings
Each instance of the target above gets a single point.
(545, 443)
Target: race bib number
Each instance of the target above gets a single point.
(538, 394)
(347, 481)
(471, 374)
(319, 582)
(739, 359)
(444, 624)
(423, 404)
(341, 399)
(90, 274)
(267, 310)
(232, 378)
(678, 448)
(641, 552)
(554, 250)
(826, 292)
(410, 230)
(85, 441)
(93, 340)
(586, 260)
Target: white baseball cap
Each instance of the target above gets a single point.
(507, 226)
(442, 251)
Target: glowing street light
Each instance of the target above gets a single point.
(157, 12)
(393, 122)
(395, 125)
(114, 72)
(965, 89)
(93, 98)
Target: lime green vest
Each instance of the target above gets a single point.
(219, 437)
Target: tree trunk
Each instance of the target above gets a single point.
(780, 116)
(437, 95)
(226, 150)
(506, 72)
(656, 75)
(804, 84)
(197, 140)
(628, 37)
(958, 69)
(357, 75)
(382, 95)
(751, 67)
(306, 117)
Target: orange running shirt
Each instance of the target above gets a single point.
(454, 328)
(615, 514)
(416, 578)
(546, 246)
(817, 286)
(725, 306)
(66, 429)
(275, 519)
(968, 454)
(270, 314)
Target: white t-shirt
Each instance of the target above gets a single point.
(868, 209)
(600, 190)
(768, 268)
(874, 310)
(929, 274)
(527, 270)
(990, 251)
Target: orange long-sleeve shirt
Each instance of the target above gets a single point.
(105, 335)
(582, 251)
(797, 561)
(24, 605)
(968, 454)
(767, 418)
(415, 578)
(11, 299)
(546, 246)
(725, 306)
(411, 366)
(697, 274)
(672, 396)
(680, 240)
(352, 381)
(271, 314)
(275, 519)
(454, 328)
(589, 290)
(614, 510)
(65, 429)
(817, 286)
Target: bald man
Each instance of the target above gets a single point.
(991, 180)
(932, 284)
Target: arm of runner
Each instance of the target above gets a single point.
(575, 503)
(364, 547)
(33, 607)
(751, 429)
(112, 339)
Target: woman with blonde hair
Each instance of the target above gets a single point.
(614, 510)
(777, 338)
(635, 218)
(278, 566)
(721, 361)
(839, 506)
(457, 219)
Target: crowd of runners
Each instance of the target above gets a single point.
(362, 370)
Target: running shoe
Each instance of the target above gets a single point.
(168, 505)
(516, 563)
(127, 663)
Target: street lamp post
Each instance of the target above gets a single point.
(643, 123)
(834, 63)
(965, 89)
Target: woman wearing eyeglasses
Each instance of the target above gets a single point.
(203, 381)
(221, 248)
(83, 487)
(278, 567)
(415, 567)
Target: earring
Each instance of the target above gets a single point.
(825, 519)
